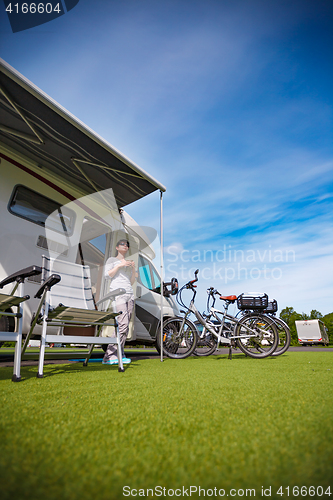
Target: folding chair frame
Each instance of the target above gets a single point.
(45, 315)
(9, 301)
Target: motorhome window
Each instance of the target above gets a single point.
(93, 242)
(40, 210)
(156, 279)
(92, 251)
(144, 273)
(99, 243)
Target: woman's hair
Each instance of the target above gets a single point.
(120, 242)
(123, 241)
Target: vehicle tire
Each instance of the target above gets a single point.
(206, 344)
(178, 342)
(284, 337)
(257, 335)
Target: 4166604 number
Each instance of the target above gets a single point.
(33, 8)
(303, 491)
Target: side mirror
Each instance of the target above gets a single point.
(174, 286)
(173, 290)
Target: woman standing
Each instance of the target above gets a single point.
(122, 274)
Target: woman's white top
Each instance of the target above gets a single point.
(122, 278)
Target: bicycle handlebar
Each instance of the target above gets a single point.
(190, 283)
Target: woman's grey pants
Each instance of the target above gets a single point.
(124, 303)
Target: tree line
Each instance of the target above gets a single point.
(289, 316)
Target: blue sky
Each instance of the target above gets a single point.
(229, 105)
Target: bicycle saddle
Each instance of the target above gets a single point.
(230, 298)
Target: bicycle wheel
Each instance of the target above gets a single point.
(179, 338)
(284, 336)
(206, 344)
(256, 335)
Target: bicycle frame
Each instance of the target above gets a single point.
(193, 309)
(218, 330)
(211, 328)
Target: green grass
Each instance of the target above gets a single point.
(84, 433)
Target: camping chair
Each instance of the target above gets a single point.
(66, 300)
(7, 302)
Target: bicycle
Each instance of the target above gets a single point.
(179, 333)
(255, 333)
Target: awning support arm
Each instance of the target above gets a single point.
(105, 167)
(20, 134)
(82, 172)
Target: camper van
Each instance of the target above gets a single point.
(311, 332)
(62, 194)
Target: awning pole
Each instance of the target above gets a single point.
(161, 262)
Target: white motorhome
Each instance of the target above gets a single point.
(311, 331)
(55, 173)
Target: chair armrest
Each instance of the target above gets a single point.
(52, 280)
(21, 275)
(111, 295)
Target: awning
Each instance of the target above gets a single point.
(38, 127)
